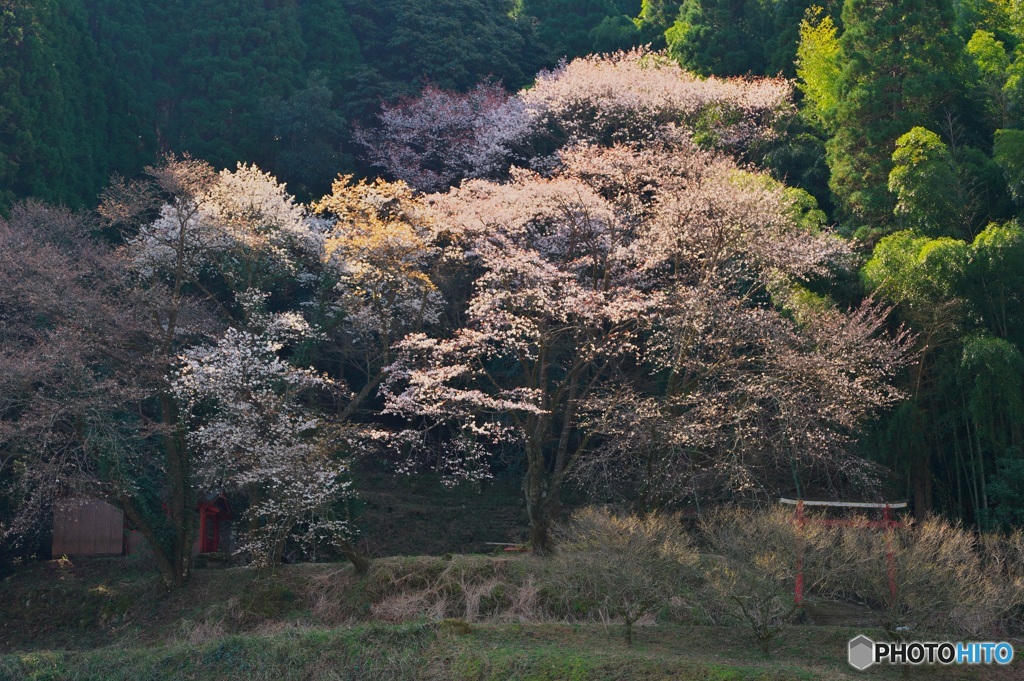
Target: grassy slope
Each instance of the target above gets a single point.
(106, 619)
(427, 651)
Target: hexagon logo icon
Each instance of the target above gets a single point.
(862, 652)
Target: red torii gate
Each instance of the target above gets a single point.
(886, 523)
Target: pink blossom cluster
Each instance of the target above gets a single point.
(629, 96)
(439, 138)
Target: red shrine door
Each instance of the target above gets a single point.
(209, 530)
(211, 513)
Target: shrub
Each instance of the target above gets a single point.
(1002, 560)
(622, 567)
(753, 570)
(939, 579)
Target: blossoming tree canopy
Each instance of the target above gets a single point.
(73, 366)
(439, 138)
(629, 96)
(240, 225)
(387, 270)
(433, 140)
(381, 247)
(251, 429)
(636, 271)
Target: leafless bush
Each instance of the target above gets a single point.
(937, 582)
(622, 567)
(752, 573)
(1002, 558)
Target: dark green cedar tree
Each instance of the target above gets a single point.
(573, 28)
(899, 69)
(236, 54)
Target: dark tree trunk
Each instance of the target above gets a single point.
(181, 502)
(537, 500)
(540, 532)
(169, 528)
(166, 543)
(360, 562)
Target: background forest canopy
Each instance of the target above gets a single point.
(672, 253)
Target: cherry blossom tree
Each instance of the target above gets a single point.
(551, 313)
(218, 241)
(385, 269)
(74, 365)
(439, 138)
(251, 429)
(434, 140)
(757, 377)
(641, 292)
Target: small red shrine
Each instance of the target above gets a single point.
(214, 512)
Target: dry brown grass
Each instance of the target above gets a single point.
(470, 588)
(329, 597)
(196, 633)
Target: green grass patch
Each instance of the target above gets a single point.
(407, 619)
(427, 651)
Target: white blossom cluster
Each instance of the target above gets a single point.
(629, 96)
(251, 429)
(242, 226)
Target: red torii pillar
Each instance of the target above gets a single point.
(887, 523)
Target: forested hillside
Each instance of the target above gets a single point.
(95, 87)
(669, 253)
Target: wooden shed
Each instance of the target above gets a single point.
(83, 526)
